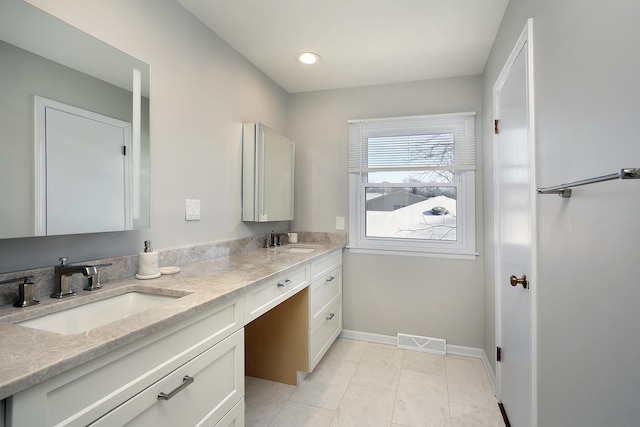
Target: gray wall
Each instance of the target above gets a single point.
(201, 91)
(587, 95)
(385, 294)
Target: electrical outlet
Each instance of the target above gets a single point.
(192, 210)
(339, 223)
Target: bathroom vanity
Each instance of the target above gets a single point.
(181, 362)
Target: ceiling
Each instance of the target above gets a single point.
(361, 42)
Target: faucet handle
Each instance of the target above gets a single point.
(63, 260)
(93, 282)
(26, 293)
(94, 279)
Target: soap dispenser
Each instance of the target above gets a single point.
(148, 263)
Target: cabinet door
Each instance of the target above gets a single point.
(234, 418)
(200, 392)
(267, 174)
(323, 293)
(323, 334)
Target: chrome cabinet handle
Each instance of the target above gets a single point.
(330, 316)
(185, 383)
(330, 278)
(284, 283)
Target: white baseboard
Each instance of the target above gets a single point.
(459, 350)
(367, 336)
(489, 370)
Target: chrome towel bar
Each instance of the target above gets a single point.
(564, 190)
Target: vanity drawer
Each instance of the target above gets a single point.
(266, 296)
(234, 418)
(323, 292)
(87, 392)
(200, 392)
(322, 265)
(324, 333)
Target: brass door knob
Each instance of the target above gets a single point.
(514, 280)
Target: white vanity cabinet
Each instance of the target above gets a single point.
(192, 372)
(126, 385)
(325, 305)
(292, 320)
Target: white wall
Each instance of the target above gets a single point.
(587, 107)
(385, 294)
(201, 92)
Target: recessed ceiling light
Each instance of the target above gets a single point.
(307, 57)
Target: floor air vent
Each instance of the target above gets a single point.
(429, 345)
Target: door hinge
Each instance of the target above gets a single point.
(496, 126)
(498, 354)
(124, 150)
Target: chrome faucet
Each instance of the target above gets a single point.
(63, 274)
(274, 239)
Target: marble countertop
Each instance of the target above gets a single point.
(29, 356)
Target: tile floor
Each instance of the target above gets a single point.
(369, 385)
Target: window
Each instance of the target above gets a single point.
(412, 185)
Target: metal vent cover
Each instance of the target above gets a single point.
(418, 343)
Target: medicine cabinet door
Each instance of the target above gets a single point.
(270, 171)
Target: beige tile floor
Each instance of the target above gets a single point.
(369, 385)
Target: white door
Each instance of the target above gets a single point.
(85, 172)
(515, 228)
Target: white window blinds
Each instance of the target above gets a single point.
(433, 142)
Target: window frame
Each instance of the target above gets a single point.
(464, 182)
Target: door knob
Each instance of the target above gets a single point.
(519, 281)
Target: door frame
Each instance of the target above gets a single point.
(526, 37)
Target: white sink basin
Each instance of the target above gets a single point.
(84, 317)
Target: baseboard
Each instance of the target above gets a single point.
(459, 350)
(367, 336)
(489, 370)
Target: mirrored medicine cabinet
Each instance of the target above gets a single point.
(62, 173)
(267, 174)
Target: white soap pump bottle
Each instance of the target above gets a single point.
(148, 263)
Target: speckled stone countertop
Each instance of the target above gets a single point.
(29, 356)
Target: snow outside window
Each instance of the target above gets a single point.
(412, 185)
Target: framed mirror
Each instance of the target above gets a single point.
(58, 173)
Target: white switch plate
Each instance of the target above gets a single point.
(192, 210)
(339, 223)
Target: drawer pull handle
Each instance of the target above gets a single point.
(284, 283)
(185, 383)
(330, 316)
(330, 278)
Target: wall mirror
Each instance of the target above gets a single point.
(61, 173)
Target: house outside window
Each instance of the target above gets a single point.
(412, 185)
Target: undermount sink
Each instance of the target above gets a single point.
(84, 317)
(299, 249)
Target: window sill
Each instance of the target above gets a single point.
(375, 251)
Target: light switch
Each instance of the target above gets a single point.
(339, 223)
(192, 210)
